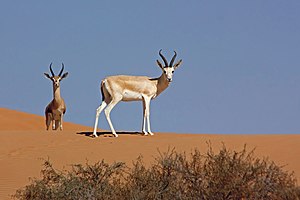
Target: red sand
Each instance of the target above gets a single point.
(25, 143)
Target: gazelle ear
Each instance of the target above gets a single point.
(159, 64)
(177, 64)
(64, 75)
(47, 75)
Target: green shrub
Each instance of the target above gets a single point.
(210, 176)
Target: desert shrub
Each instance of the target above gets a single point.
(210, 176)
(92, 181)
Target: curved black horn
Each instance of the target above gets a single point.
(61, 71)
(51, 70)
(164, 59)
(172, 61)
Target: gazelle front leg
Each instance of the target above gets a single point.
(57, 116)
(53, 124)
(57, 124)
(48, 120)
(146, 118)
(61, 121)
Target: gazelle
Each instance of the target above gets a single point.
(134, 88)
(56, 108)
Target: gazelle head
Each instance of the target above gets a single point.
(168, 69)
(56, 79)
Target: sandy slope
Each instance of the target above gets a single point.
(12, 120)
(24, 144)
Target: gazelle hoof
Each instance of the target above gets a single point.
(145, 133)
(95, 134)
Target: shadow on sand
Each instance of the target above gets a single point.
(108, 134)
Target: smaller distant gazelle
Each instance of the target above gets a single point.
(135, 88)
(56, 109)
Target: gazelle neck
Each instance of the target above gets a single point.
(56, 92)
(162, 84)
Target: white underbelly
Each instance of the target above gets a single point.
(132, 96)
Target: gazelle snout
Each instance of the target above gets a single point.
(56, 81)
(168, 71)
(170, 77)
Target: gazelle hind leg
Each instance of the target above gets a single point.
(107, 111)
(98, 112)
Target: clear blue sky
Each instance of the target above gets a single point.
(240, 71)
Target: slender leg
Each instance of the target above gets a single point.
(48, 120)
(53, 124)
(57, 124)
(148, 115)
(61, 122)
(144, 118)
(148, 122)
(98, 111)
(109, 107)
(146, 105)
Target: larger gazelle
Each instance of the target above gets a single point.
(134, 88)
(56, 109)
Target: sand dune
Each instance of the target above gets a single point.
(12, 120)
(25, 143)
